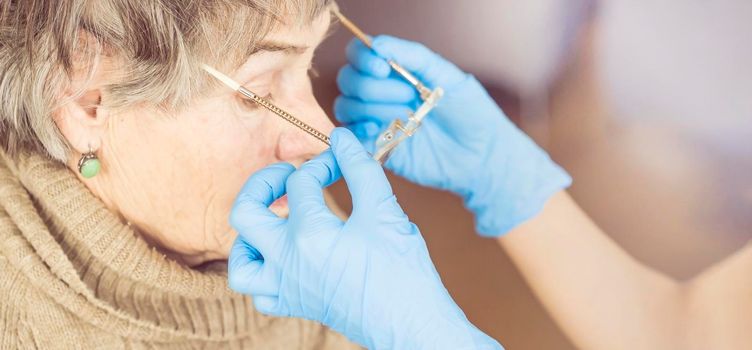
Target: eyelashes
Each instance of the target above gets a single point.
(249, 105)
(253, 106)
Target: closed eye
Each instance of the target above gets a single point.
(253, 106)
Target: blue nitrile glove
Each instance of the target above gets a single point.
(369, 278)
(466, 145)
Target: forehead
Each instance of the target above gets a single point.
(301, 34)
(286, 43)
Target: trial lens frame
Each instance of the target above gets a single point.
(393, 136)
(397, 132)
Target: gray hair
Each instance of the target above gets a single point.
(158, 46)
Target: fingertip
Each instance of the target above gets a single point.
(351, 45)
(426, 64)
(345, 110)
(250, 207)
(347, 148)
(324, 168)
(354, 46)
(240, 210)
(240, 213)
(342, 79)
(339, 107)
(383, 45)
(267, 184)
(324, 157)
(271, 172)
(282, 166)
(380, 40)
(366, 60)
(340, 135)
(366, 130)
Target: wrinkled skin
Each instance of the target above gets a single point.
(175, 177)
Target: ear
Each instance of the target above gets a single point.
(82, 120)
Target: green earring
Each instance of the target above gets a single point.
(89, 165)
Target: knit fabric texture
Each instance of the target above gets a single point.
(74, 276)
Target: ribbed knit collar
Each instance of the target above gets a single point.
(100, 269)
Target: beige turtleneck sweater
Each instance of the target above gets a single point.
(75, 277)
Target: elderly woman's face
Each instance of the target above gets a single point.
(176, 177)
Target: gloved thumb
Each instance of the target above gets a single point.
(305, 189)
(364, 176)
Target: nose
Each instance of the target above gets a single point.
(295, 146)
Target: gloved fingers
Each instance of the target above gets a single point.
(365, 177)
(266, 305)
(247, 272)
(367, 132)
(428, 66)
(366, 88)
(305, 189)
(251, 216)
(349, 110)
(366, 61)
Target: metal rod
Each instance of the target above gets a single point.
(365, 38)
(424, 91)
(286, 116)
(266, 104)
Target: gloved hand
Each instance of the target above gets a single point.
(369, 278)
(466, 145)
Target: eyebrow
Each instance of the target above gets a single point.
(273, 46)
(290, 49)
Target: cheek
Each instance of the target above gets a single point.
(201, 154)
(188, 167)
(237, 151)
(236, 145)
